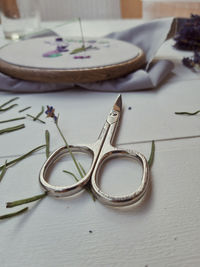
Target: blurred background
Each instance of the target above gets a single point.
(113, 9)
(104, 9)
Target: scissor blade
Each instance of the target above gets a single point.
(118, 104)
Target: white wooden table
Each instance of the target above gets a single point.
(162, 231)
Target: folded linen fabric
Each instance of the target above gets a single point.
(148, 36)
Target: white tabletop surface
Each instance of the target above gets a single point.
(162, 231)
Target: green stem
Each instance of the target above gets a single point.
(87, 186)
(187, 113)
(71, 154)
(152, 154)
(12, 129)
(47, 139)
(72, 174)
(24, 109)
(13, 214)
(14, 119)
(3, 172)
(8, 102)
(8, 108)
(83, 170)
(39, 114)
(28, 115)
(10, 163)
(25, 200)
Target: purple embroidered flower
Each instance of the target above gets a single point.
(62, 48)
(50, 112)
(81, 57)
(54, 53)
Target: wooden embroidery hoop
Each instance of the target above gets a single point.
(66, 75)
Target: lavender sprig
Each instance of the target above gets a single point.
(192, 62)
(50, 112)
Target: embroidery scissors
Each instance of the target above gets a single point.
(101, 151)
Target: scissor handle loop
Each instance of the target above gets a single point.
(124, 200)
(63, 191)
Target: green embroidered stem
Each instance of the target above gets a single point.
(47, 139)
(25, 200)
(14, 119)
(77, 50)
(13, 214)
(12, 129)
(187, 113)
(24, 109)
(28, 115)
(152, 154)
(12, 162)
(82, 36)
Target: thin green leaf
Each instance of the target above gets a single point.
(28, 115)
(25, 200)
(13, 214)
(10, 163)
(3, 172)
(152, 154)
(24, 109)
(187, 113)
(12, 129)
(47, 138)
(14, 119)
(8, 102)
(39, 114)
(8, 108)
(72, 174)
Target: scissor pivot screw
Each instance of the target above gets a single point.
(113, 113)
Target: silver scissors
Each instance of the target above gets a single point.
(101, 151)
